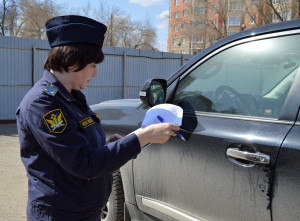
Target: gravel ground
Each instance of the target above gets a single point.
(13, 184)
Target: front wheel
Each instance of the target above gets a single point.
(114, 209)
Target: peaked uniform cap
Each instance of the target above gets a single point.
(68, 29)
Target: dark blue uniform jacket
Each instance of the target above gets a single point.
(63, 148)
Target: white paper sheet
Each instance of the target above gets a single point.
(169, 112)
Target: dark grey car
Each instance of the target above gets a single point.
(241, 160)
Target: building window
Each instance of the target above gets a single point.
(176, 15)
(234, 21)
(235, 6)
(184, 12)
(182, 52)
(175, 27)
(214, 23)
(198, 10)
(175, 41)
(286, 1)
(183, 40)
(215, 8)
(184, 1)
(252, 19)
(176, 2)
(183, 26)
(197, 39)
(275, 1)
(275, 18)
(286, 15)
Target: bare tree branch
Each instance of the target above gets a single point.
(122, 31)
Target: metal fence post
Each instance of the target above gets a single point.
(124, 74)
(34, 77)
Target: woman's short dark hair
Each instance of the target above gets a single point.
(78, 55)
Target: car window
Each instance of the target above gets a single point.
(250, 79)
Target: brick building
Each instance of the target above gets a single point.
(196, 24)
(179, 21)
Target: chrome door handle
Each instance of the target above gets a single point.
(243, 155)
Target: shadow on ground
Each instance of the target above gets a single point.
(8, 129)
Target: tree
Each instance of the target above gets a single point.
(142, 36)
(8, 14)
(146, 36)
(217, 19)
(122, 31)
(207, 23)
(86, 10)
(33, 16)
(212, 20)
(11, 18)
(27, 18)
(270, 11)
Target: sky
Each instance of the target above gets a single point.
(139, 10)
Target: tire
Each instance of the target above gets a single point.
(114, 209)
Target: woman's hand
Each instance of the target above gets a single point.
(156, 133)
(113, 138)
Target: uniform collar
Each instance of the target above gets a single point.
(50, 78)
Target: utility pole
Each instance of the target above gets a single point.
(111, 29)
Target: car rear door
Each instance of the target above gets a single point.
(234, 123)
(286, 184)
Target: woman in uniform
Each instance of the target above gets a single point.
(63, 146)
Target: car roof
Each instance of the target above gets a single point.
(261, 30)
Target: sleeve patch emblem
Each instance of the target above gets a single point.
(55, 121)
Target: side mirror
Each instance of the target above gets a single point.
(154, 92)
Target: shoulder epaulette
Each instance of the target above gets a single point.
(50, 89)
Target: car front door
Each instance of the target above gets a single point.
(233, 101)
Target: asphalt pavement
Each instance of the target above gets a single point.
(13, 180)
